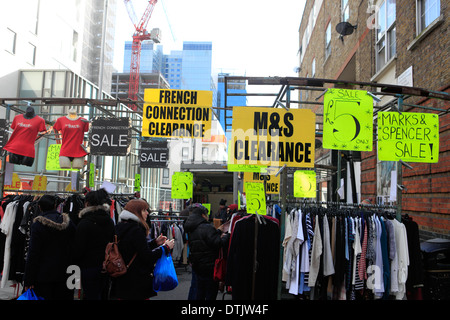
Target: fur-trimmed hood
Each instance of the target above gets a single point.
(127, 215)
(59, 226)
(104, 207)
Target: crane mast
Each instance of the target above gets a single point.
(139, 35)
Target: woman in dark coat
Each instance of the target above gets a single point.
(94, 231)
(132, 233)
(49, 252)
(204, 241)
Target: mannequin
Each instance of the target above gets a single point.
(72, 128)
(20, 146)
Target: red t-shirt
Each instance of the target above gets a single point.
(24, 135)
(72, 136)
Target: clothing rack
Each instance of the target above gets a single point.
(25, 192)
(284, 202)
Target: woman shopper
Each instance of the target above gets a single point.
(205, 242)
(94, 230)
(49, 253)
(133, 236)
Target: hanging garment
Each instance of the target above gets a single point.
(315, 255)
(6, 227)
(328, 265)
(297, 245)
(240, 262)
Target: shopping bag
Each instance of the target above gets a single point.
(29, 295)
(164, 275)
(220, 267)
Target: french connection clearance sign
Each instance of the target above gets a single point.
(272, 137)
(177, 113)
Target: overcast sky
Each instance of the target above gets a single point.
(249, 37)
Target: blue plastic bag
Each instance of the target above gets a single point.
(29, 295)
(164, 275)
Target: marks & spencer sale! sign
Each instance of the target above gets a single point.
(411, 137)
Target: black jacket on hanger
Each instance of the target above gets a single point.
(241, 255)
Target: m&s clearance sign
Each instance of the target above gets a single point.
(272, 137)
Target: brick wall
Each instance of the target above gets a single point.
(427, 197)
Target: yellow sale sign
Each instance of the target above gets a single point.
(272, 137)
(177, 113)
(255, 197)
(182, 185)
(411, 137)
(347, 120)
(305, 184)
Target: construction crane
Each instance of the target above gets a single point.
(139, 35)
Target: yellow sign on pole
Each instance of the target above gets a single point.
(272, 137)
(348, 120)
(255, 197)
(182, 185)
(40, 183)
(207, 206)
(177, 113)
(411, 137)
(305, 184)
(272, 183)
(52, 162)
(16, 184)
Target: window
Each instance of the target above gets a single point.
(74, 45)
(386, 39)
(31, 54)
(165, 176)
(10, 41)
(204, 154)
(185, 153)
(345, 10)
(428, 11)
(328, 41)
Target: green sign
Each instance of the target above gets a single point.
(52, 162)
(241, 167)
(348, 120)
(137, 182)
(255, 197)
(411, 137)
(207, 206)
(305, 184)
(182, 185)
(91, 175)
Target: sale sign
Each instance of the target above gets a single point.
(411, 137)
(348, 120)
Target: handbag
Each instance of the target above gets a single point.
(29, 295)
(164, 275)
(220, 267)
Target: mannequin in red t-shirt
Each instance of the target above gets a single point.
(20, 146)
(72, 129)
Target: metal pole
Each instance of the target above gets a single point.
(399, 172)
(2, 176)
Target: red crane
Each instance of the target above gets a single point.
(139, 35)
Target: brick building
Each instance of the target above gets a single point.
(396, 42)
